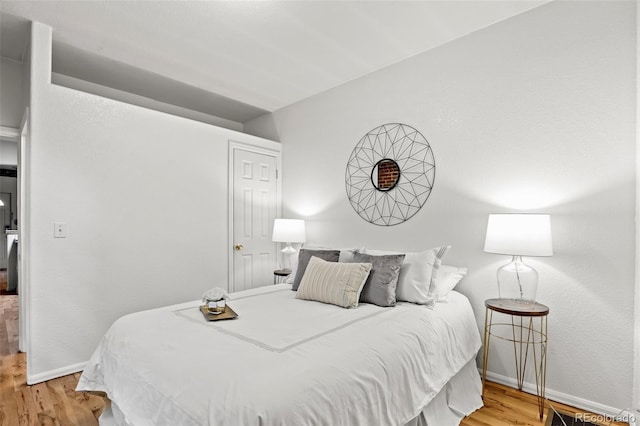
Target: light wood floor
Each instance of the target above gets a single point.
(50, 403)
(55, 402)
(505, 406)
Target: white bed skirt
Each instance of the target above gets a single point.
(461, 396)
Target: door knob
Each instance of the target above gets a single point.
(239, 247)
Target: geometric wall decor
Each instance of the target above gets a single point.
(390, 174)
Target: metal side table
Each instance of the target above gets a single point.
(279, 275)
(525, 331)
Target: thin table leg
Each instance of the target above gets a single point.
(488, 319)
(520, 349)
(541, 366)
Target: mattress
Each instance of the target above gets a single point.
(283, 361)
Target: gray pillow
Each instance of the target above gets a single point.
(380, 288)
(303, 260)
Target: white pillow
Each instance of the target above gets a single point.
(446, 280)
(417, 273)
(333, 282)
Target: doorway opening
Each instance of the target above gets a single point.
(8, 227)
(9, 298)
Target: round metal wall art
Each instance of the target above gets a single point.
(390, 174)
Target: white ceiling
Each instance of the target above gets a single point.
(258, 55)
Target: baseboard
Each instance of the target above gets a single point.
(574, 401)
(32, 379)
(634, 417)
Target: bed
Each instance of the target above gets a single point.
(286, 361)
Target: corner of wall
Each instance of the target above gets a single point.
(38, 74)
(263, 126)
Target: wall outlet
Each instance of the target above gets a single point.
(59, 230)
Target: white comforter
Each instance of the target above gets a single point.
(283, 361)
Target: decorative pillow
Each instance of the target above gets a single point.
(417, 273)
(380, 287)
(332, 282)
(448, 277)
(346, 255)
(303, 259)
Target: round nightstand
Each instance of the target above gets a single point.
(524, 331)
(280, 274)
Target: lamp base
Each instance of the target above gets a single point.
(287, 252)
(518, 281)
(288, 249)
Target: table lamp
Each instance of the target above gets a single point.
(517, 235)
(288, 231)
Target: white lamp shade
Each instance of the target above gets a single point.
(288, 231)
(519, 234)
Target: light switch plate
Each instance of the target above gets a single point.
(59, 230)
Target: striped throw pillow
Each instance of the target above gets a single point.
(333, 282)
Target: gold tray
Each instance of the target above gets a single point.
(227, 314)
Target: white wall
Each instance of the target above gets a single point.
(536, 113)
(636, 376)
(11, 101)
(144, 197)
(8, 152)
(130, 98)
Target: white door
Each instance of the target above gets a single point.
(255, 197)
